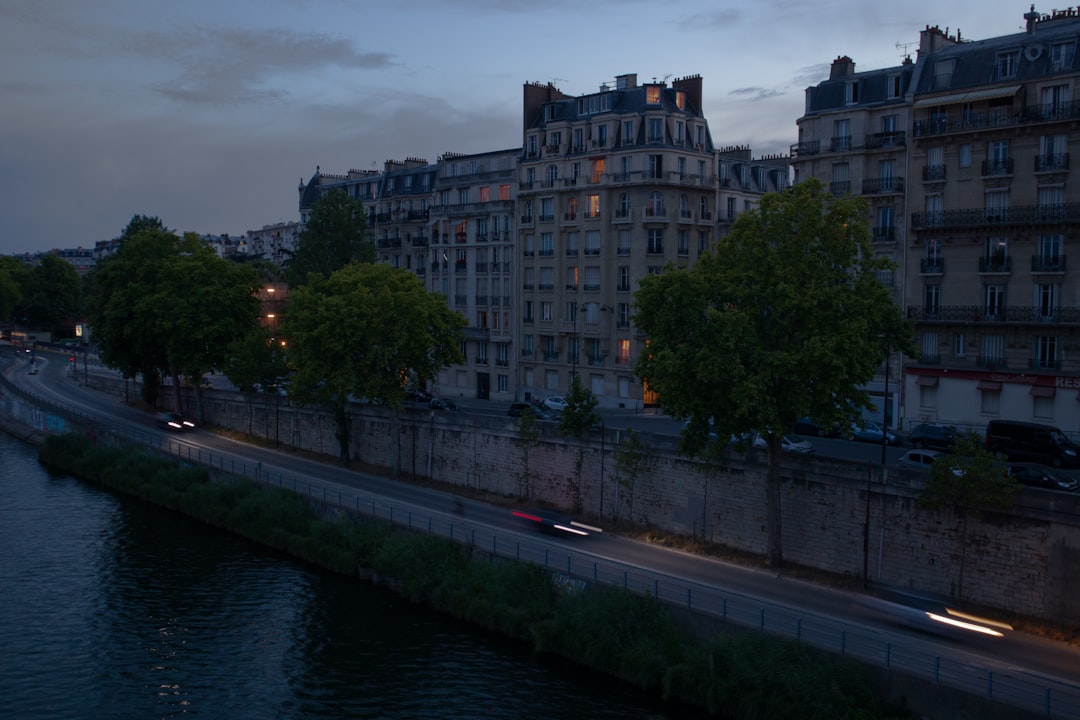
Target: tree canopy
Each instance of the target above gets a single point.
(786, 317)
(365, 331)
(13, 273)
(335, 235)
(169, 306)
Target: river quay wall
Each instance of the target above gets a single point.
(839, 517)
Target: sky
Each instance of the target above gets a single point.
(209, 114)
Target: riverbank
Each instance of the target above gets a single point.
(635, 639)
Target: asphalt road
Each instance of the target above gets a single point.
(1017, 654)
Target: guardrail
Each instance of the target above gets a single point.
(1043, 696)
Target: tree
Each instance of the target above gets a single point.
(631, 460)
(13, 273)
(528, 437)
(335, 235)
(576, 419)
(786, 317)
(169, 306)
(52, 298)
(363, 332)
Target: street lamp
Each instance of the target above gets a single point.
(885, 408)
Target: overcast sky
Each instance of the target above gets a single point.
(208, 114)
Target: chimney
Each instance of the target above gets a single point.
(1031, 17)
(842, 66)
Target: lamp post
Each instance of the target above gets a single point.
(885, 409)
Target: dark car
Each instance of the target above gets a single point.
(933, 435)
(1035, 475)
(1031, 442)
(811, 428)
(443, 404)
(518, 409)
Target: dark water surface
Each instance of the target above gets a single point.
(113, 609)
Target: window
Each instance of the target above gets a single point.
(547, 278)
(624, 278)
(1052, 153)
(930, 350)
(993, 351)
(592, 279)
(683, 239)
(572, 243)
(1045, 352)
(1007, 63)
(547, 244)
(554, 140)
(958, 345)
(655, 244)
(546, 312)
(655, 206)
(928, 397)
(623, 210)
(1042, 407)
(481, 353)
(990, 402)
(943, 72)
(622, 317)
(530, 278)
(601, 135)
(885, 230)
(1061, 56)
(528, 345)
(931, 300)
(654, 166)
(626, 167)
(1046, 300)
(503, 381)
(652, 94)
(965, 155)
(851, 92)
(552, 175)
(551, 377)
(547, 209)
(624, 242)
(997, 205)
(1048, 254)
(994, 301)
(571, 311)
(592, 242)
(996, 255)
(892, 87)
(997, 162)
(656, 130)
(572, 277)
(592, 205)
(1051, 202)
(628, 132)
(680, 132)
(622, 354)
(484, 194)
(703, 240)
(504, 192)
(571, 209)
(841, 135)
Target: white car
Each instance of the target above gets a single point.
(788, 443)
(556, 403)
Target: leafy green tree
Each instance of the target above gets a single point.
(785, 318)
(335, 235)
(169, 306)
(576, 420)
(363, 332)
(143, 223)
(52, 298)
(13, 273)
(256, 358)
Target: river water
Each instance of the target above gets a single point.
(110, 608)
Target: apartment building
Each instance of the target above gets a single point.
(275, 243)
(984, 221)
(541, 247)
(854, 135)
(613, 185)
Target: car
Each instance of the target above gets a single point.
(538, 411)
(175, 422)
(790, 442)
(443, 404)
(34, 370)
(555, 402)
(519, 408)
(918, 460)
(1031, 442)
(868, 431)
(1036, 475)
(935, 436)
(811, 428)
(549, 521)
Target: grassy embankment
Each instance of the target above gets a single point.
(734, 675)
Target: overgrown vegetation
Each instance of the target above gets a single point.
(633, 638)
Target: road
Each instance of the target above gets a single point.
(1023, 659)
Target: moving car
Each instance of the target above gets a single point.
(1036, 475)
(1031, 442)
(868, 431)
(174, 421)
(933, 435)
(556, 523)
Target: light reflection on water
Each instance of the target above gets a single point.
(112, 609)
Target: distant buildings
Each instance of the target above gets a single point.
(541, 247)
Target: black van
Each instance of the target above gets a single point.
(1031, 442)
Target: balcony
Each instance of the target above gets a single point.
(841, 143)
(1024, 315)
(1048, 263)
(1054, 161)
(933, 173)
(885, 140)
(1030, 114)
(551, 356)
(810, 147)
(840, 187)
(992, 168)
(597, 360)
(995, 264)
(932, 266)
(1044, 363)
(998, 217)
(880, 186)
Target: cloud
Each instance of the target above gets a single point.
(754, 94)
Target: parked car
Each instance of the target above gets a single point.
(1036, 475)
(443, 404)
(933, 435)
(174, 421)
(555, 402)
(539, 411)
(788, 443)
(519, 408)
(917, 460)
(868, 431)
(1031, 442)
(811, 428)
